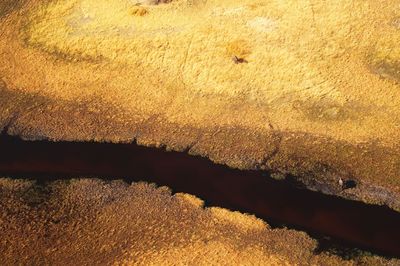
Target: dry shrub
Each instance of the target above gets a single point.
(139, 11)
(239, 48)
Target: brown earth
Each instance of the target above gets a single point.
(91, 222)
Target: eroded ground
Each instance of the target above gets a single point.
(308, 89)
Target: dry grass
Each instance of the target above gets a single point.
(239, 48)
(139, 11)
(89, 222)
(311, 78)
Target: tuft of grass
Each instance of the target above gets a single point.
(139, 11)
(239, 48)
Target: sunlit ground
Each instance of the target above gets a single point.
(326, 69)
(311, 62)
(306, 87)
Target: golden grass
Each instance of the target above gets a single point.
(239, 48)
(90, 222)
(139, 11)
(300, 54)
(324, 70)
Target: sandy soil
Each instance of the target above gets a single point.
(91, 222)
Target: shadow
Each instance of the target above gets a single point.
(280, 203)
(8, 6)
(349, 184)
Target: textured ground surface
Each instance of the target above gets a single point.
(308, 88)
(313, 90)
(89, 222)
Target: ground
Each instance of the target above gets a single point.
(315, 93)
(308, 89)
(91, 222)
